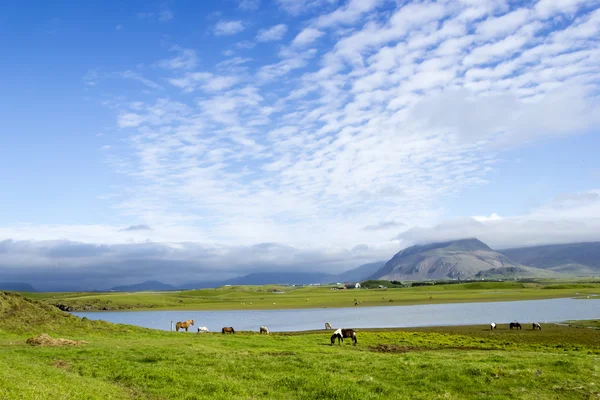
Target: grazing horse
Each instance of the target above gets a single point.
(515, 325)
(202, 329)
(492, 326)
(328, 325)
(227, 329)
(349, 333)
(340, 334)
(184, 325)
(537, 326)
(264, 329)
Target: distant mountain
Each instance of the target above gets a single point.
(357, 274)
(148, 285)
(17, 287)
(581, 259)
(458, 259)
(269, 278)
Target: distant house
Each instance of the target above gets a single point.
(352, 285)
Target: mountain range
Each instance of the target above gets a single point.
(17, 287)
(457, 259)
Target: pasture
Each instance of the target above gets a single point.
(124, 362)
(287, 297)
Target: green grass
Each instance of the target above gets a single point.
(267, 297)
(124, 362)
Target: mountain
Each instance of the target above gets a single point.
(291, 278)
(148, 285)
(357, 274)
(268, 278)
(458, 259)
(17, 287)
(582, 259)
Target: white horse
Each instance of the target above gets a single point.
(492, 326)
(264, 329)
(328, 325)
(202, 329)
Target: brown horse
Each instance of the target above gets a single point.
(515, 325)
(228, 329)
(184, 325)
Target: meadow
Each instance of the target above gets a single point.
(289, 297)
(125, 362)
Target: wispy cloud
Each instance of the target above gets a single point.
(186, 59)
(370, 113)
(384, 225)
(249, 4)
(228, 28)
(273, 33)
(307, 36)
(131, 228)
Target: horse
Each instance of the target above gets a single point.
(492, 326)
(349, 333)
(515, 325)
(264, 329)
(184, 325)
(340, 334)
(537, 326)
(227, 329)
(202, 329)
(328, 325)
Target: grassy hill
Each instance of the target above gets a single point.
(21, 315)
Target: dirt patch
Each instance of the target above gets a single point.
(46, 340)
(394, 348)
(62, 364)
(280, 353)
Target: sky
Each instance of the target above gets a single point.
(184, 140)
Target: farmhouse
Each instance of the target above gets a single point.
(352, 285)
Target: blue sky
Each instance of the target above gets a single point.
(318, 125)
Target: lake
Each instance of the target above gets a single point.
(542, 311)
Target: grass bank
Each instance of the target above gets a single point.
(279, 297)
(122, 362)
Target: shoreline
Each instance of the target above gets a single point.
(396, 303)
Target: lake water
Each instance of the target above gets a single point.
(554, 310)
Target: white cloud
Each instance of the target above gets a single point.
(228, 28)
(274, 33)
(547, 8)
(249, 4)
(348, 13)
(296, 7)
(507, 23)
(186, 59)
(402, 108)
(568, 219)
(307, 36)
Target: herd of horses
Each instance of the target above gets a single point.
(516, 325)
(338, 334)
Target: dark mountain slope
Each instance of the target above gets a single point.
(575, 258)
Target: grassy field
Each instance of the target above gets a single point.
(123, 362)
(274, 297)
